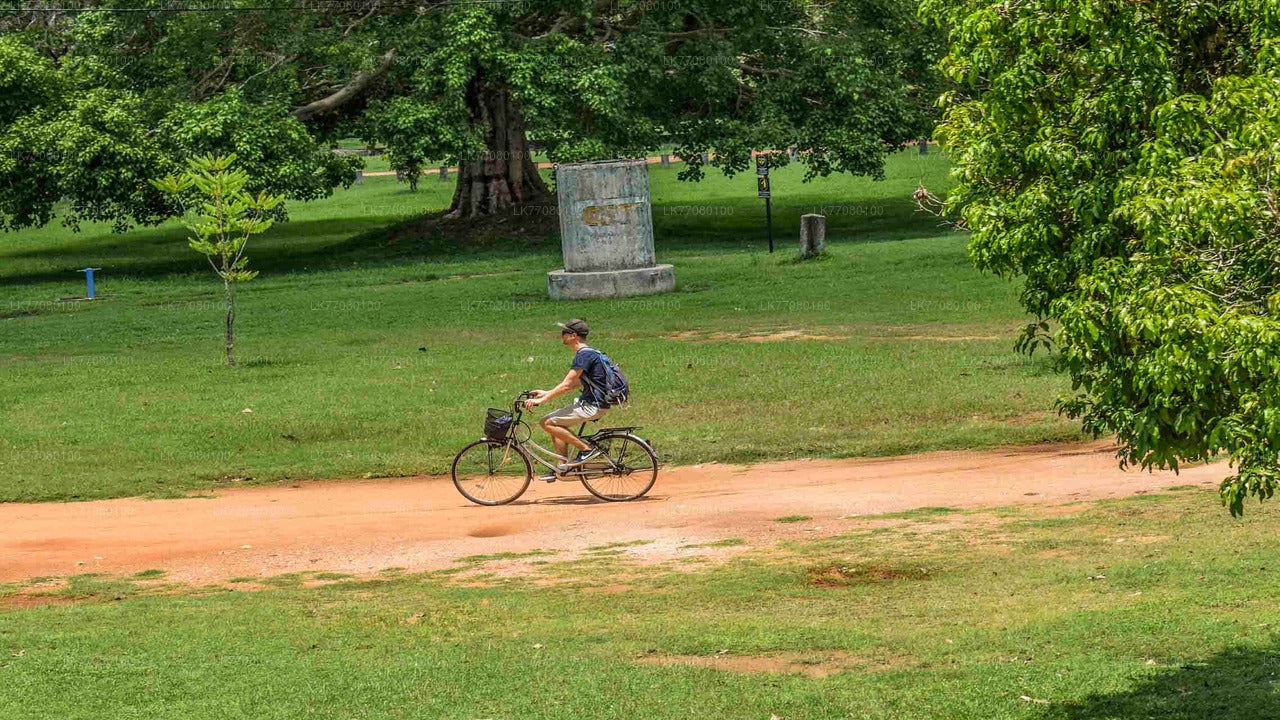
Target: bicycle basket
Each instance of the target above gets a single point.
(497, 424)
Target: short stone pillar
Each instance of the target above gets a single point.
(924, 146)
(666, 160)
(359, 177)
(444, 173)
(606, 233)
(813, 234)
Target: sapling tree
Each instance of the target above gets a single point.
(223, 218)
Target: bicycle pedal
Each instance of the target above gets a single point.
(548, 478)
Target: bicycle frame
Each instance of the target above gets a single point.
(533, 450)
(538, 451)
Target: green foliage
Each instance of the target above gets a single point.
(1120, 157)
(93, 104)
(278, 153)
(88, 132)
(26, 82)
(846, 82)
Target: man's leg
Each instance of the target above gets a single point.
(562, 437)
(556, 443)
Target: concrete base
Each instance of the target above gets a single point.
(564, 285)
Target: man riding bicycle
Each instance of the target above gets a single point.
(590, 405)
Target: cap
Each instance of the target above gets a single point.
(576, 326)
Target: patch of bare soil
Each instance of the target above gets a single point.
(21, 601)
(422, 523)
(812, 664)
(1050, 554)
(1022, 420)
(694, 336)
(937, 338)
(608, 589)
(847, 575)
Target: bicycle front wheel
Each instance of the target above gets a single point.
(627, 474)
(491, 473)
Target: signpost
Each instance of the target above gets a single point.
(763, 191)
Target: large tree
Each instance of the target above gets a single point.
(93, 103)
(1121, 158)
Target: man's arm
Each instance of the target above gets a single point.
(571, 381)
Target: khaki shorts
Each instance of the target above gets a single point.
(575, 413)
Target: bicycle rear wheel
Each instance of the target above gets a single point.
(629, 472)
(487, 472)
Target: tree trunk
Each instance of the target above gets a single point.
(231, 317)
(505, 176)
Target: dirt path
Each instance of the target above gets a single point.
(423, 523)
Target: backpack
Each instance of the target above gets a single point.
(616, 389)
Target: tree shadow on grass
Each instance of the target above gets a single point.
(1240, 683)
(290, 247)
(894, 219)
(383, 241)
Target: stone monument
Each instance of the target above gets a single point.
(606, 230)
(813, 234)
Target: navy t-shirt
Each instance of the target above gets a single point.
(588, 361)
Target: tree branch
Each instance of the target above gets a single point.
(807, 31)
(559, 25)
(274, 65)
(348, 92)
(779, 72)
(709, 31)
(198, 90)
(361, 20)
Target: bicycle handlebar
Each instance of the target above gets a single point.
(518, 405)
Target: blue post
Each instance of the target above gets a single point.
(88, 278)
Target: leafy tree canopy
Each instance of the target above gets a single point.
(1121, 157)
(95, 103)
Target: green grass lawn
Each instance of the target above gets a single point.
(1155, 606)
(368, 352)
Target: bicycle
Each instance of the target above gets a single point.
(498, 468)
